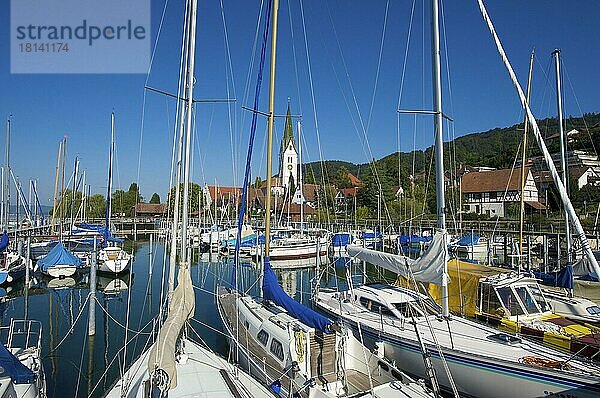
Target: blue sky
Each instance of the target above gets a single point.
(343, 40)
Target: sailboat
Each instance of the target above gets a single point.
(112, 258)
(482, 361)
(12, 265)
(175, 365)
(290, 347)
(21, 361)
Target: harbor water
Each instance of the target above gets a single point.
(127, 307)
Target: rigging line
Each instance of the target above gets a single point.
(249, 74)
(117, 356)
(380, 56)
(71, 329)
(401, 91)
(124, 327)
(347, 73)
(312, 97)
(228, 70)
(587, 128)
(294, 57)
(85, 339)
(450, 131)
(154, 47)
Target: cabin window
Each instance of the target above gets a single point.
(539, 298)
(404, 309)
(376, 307)
(477, 196)
(493, 195)
(527, 299)
(263, 337)
(277, 349)
(510, 301)
(593, 310)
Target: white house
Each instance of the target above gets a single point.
(489, 192)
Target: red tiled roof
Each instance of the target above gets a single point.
(492, 181)
(224, 192)
(536, 205)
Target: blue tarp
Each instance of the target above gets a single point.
(469, 240)
(407, 239)
(562, 278)
(272, 291)
(342, 239)
(370, 235)
(3, 242)
(58, 256)
(19, 373)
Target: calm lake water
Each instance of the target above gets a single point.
(78, 366)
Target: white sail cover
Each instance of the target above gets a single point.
(429, 267)
(162, 354)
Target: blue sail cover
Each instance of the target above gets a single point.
(272, 291)
(3, 242)
(342, 239)
(408, 239)
(469, 240)
(562, 278)
(370, 235)
(19, 373)
(58, 256)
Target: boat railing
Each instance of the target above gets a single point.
(22, 334)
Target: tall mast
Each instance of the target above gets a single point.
(56, 174)
(110, 172)
(563, 150)
(270, 129)
(188, 132)
(73, 194)
(439, 142)
(7, 171)
(191, 15)
(523, 156)
(300, 178)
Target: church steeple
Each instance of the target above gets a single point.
(288, 133)
(288, 155)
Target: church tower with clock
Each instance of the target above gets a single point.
(288, 155)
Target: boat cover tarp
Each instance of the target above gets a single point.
(562, 278)
(342, 239)
(3, 242)
(58, 256)
(19, 373)
(370, 235)
(464, 286)
(407, 239)
(469, 240)
(583, 269)
(272, 291)
(162, 353)
(427, 268)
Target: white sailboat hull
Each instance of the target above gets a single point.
(478, 367)
(200, 372)
(61, 271)
(114, 260)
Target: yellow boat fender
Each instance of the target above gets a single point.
(299, 337)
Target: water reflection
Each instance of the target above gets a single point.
(79, 365)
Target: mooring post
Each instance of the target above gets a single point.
(92, 304)
(150, 255)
